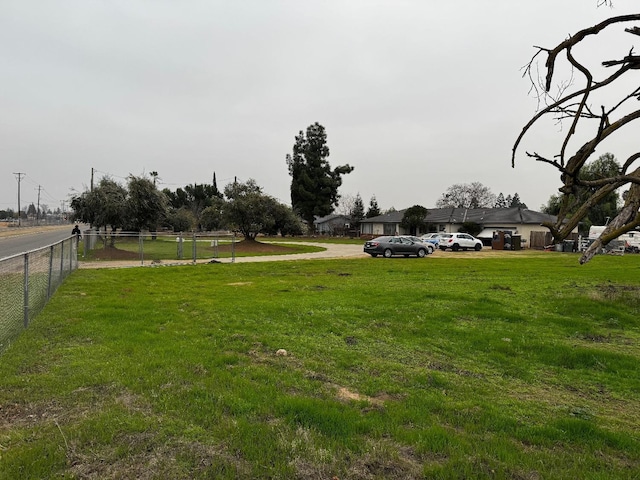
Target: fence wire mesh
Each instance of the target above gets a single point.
(27, 281)
(157, 248)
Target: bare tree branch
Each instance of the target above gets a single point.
(574, 105)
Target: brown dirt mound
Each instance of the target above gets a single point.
(249, 247)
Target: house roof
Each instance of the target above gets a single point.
(391, 217)
(329, 218)
(484, 216)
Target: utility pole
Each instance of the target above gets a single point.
(19, 176)
(38, 209)
(92, 179)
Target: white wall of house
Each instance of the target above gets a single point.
(524, 230)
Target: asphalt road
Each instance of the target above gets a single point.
(17, 241)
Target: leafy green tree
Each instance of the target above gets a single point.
(500, 201)
(146, 206)
(314, 185)
(605, 166)
(599, 213)
(289, 223)
(104, 206)
(552, 207)
(196, 197)
(374, 209)
(248, 210)
(414, 219)
(286, 222)
(211, 217)
(472, 228)
(181, 220)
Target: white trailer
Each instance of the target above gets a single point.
(629, 242)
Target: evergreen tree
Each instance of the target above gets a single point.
(374, 209)
(508, 200)
(314, 186)
(357, 213)
(500, 201)
(515, 201)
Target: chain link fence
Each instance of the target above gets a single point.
(28, 280)
(157, 247)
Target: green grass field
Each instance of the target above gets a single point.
(448, 367)
(165, 248)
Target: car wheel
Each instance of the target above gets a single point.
(455, 247)
(374, 255)
(443, 248)
(478, 247)
(388, 253)
(421, 253)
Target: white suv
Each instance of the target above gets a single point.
(458, 241)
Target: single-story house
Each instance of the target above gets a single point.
(517, 221)
(332, 224)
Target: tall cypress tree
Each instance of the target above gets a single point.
(314, 185)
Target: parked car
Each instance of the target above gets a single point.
(432, 238)
(459, 241)
(430, 247)
(390, 246)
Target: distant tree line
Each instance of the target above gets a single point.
(477, 195)
(139, 205)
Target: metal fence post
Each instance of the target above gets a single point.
(141, 247)
(61, 262)
(179, 242)
(73, 243)
(26, 290)
(233, 248)
(50, 273)
(193, 248)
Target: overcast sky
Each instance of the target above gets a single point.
(417, 95)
